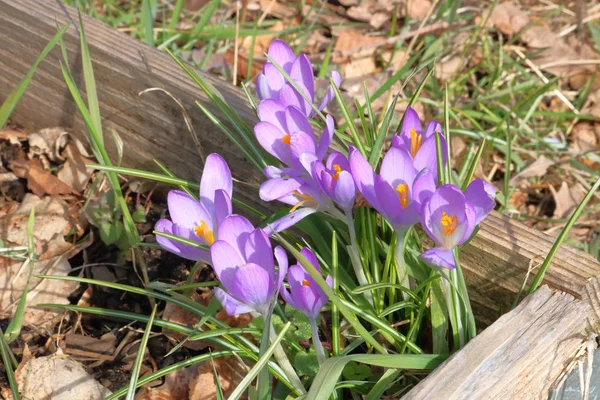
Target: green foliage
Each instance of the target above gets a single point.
(354, 371)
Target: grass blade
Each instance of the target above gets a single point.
(8, 359)
(135, 372)
(13, 98)
(260, 364)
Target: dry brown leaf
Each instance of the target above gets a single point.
(14, 137)
(354, 43)
(179, 315)
(230, 371)
(507, 18)
(379, 19)
(398, 59)
(42, 182)
(445, 70)
(536, 169)
(74, 173)
(56, 377)
(584, 137)
(418, 9)
(277, 9)
(176, 387)
(359, 13)
(567, 199)
(48, 142)
(359, 67)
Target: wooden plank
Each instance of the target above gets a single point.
(495, 263)
(521, 355)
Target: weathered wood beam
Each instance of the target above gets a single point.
(522, 354)
(495, 263)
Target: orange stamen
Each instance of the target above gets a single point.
(306, 199)
(338, 171)
(286, 139)
(402, 190)
(205, 232)
(415, 142)
(449, 223)
(305, 282)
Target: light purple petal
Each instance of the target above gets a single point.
(326, 137)
(426, 156)
(274, 189)
(388, 200)
(288, 96)
(259, 251)
(427, 223)
(272, 111)
(191, 253)
(222, 208)
(301, 142)
(481, 195)
(235, 230)
(282, 54)
(397, 168)
(309, 162)
(231, 305)
(337, 79)
(216, 176)
(325, 179)
(450, 200)
(423, 188)
(262, 87)
(185, 210)
(289, 220)
(310, 257)
(271, 139)
(165, 226)
(302, 72)
(440, 257)
(273, 172)
(225, 261)
(469, 224)
(337, 158)
(411, 121)
(282, 262)
(274, 79)
(363, 175)
(287, 297)
(253, 286)
(432, 127)
(345, 191)
(297, 122)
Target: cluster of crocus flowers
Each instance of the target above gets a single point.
(198, 220)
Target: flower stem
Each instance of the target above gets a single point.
(317, 342)
(284, 363)
(355, 258)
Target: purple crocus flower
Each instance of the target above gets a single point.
(336, 180)
(305, 294)
(243, 261)
(198, 220)
(420, 145)
(450, 216)
(271, 84)
(397, 191)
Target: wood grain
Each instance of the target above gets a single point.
(521, 355)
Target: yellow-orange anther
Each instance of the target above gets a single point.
(305, 282)
(338, 171)
(415, 142)
(402, 190)
(306, 199)
(205, 232)
(286, 139)
(449, 223)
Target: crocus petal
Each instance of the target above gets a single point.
(428, 223)
(432, 127)
(306, 298)
(165, 226)
(443, 258)
(273, 172)
(388, 201)
(271, 139)
(450, 200)
(298, 122)
(337, 158)
(469, 224)
(231, 305)
(345, 191)
(252, 285)
(308, 161)
(274, 189)
(222, 207)
(481, 195)
(288, 96)
(185, 210)
(363, 175)
(282, 262)
(337, 80)
(411, 121)
(397, 168)
(426, 157)
(282, 54)
(423, 188)
(310, 257)
(326, 137)
(225, 261)
(287, 297)
(289, 220)
(302, 71)
(216, 176)
(325, 179)
(259, 251)
(235, 230)
(191, 253)
(301, 142)
(262, 87)
(272, 111)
